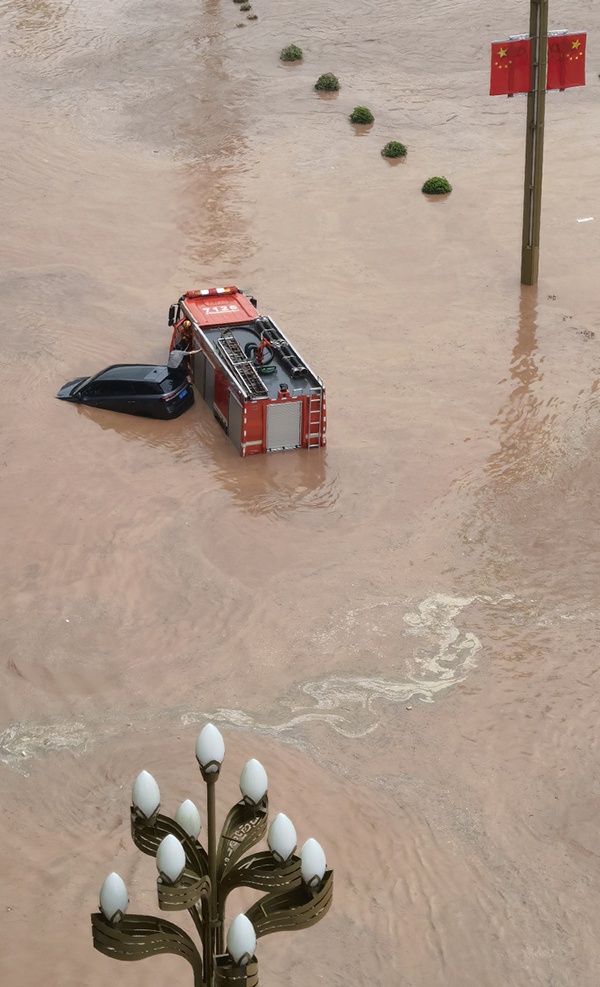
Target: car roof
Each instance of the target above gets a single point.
(134, 371)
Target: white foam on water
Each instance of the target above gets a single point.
(20, 741)
(349, 704)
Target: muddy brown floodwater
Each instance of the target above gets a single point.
(403, 627)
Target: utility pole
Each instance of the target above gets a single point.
(534, 154)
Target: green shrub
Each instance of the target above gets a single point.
(245, 6)
(291, 53)
(437, 186)
(361, 114)
(327, 83)
(394, 149)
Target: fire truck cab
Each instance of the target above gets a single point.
(260, 390)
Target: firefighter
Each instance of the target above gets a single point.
(177, 357)
(180, 351)
(186, 335)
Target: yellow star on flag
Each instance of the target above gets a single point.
(503, 53)
(575, 44)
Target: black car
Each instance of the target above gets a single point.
(136, 389)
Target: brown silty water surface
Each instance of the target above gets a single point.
(402, 627)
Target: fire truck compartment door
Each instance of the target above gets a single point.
(199, 372)
(235, 424)
(209, 384)
(283, 425)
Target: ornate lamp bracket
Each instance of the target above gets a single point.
(198, 879)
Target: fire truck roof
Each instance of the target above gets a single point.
(219, 306)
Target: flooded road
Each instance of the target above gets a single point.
(402, 627)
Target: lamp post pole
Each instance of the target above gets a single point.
(212, 856)
(297, 889)
(534, 150)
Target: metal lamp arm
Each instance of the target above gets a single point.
(191, 893)
(147, 834)
(262, 872)
(136, 937)
(185, 894)
(244, 827)
(297, 908)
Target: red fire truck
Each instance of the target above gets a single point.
(251, 377)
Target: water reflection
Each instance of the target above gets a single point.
(211, 137)
(39, 30)
(488, 533)
(276, 484)
(216, 233)
(36, 15)
(531, 526)
(517, 419)
(271, 485)
(175, 436)
(362, 129)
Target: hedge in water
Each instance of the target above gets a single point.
(327, 83)
(361, 114)
(394, 149)
(291, 53)
(436, 186)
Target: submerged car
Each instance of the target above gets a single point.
(134, 389)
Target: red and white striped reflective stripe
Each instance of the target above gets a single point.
(211, 291)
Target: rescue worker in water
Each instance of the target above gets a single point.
(180, 351)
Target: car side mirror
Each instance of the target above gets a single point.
(172, 315)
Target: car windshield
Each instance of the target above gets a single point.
(81, 384)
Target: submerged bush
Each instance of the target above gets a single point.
(361, 114)
(327, 83)
(291, 53)
(436, 186)
(394, 149)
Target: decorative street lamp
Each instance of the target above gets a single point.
(297, 889)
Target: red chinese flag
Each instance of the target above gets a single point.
(566, 61)
(511, 67)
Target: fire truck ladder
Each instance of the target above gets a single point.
(241, 366)
(315, 417)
